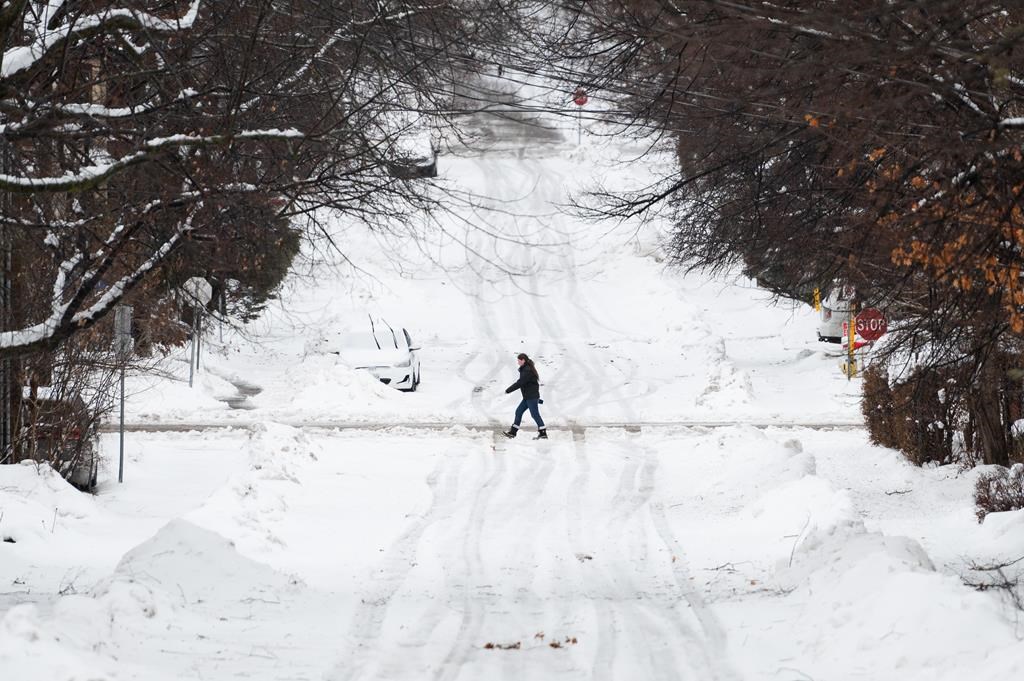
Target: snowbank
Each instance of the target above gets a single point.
(34, 500)
(860, 595)
(185, 592)
(31, 651)
(254, 502)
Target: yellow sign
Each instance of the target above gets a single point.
(851, 332)
(817, 300)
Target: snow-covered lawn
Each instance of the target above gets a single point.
(706, 507)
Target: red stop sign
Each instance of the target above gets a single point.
(580, 96)
(871, 324)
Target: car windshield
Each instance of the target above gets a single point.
(362, 341)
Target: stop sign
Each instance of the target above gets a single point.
(580, 96)
(871, 324)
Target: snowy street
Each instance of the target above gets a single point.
(707, 506)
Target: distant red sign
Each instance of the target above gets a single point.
(871, 324)
(580, 96)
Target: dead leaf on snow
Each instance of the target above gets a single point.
(503, 646)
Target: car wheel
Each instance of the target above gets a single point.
(413, 382)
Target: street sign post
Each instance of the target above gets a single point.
(200, 291)
(579, 98)
(123, 344)
(851, 360)
(869, 325)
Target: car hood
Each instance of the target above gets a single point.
(359, 358)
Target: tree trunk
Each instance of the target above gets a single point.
(987, 408)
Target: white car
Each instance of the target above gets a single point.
(835, 312)
(387, 353)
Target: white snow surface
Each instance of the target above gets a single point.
(706, 506)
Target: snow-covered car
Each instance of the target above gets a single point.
(64, 434)
(385, 351)
(414, 154)
(835, 312)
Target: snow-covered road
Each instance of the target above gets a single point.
(559, 551)
(680, 523)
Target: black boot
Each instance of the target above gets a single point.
(511, 432)
(542, 434)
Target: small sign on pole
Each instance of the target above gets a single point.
(199, 290)
(851, 360)
(123, 331)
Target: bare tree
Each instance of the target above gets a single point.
(130, 126)
(146, 141)
(875, 143)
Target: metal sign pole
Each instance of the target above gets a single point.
(120, 457)
(192, 352)
(123, 348)
(851, 361)
(199, 291)
(199, 335)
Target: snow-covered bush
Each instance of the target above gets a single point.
(917, 415)
(999, 489)
(877, 408)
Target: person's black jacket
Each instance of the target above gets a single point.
(528, 383)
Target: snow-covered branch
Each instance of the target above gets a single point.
(132, 128)
(95, 175)
(49, 40)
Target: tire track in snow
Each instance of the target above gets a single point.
(497, 192)
(634, 494)
(639, 599)
(470, 579)
(482, 319)
(515, 482)
(629, 621)
(612, 593)
(604, 615)
(399, 560)
(714, 634)
(572, 309)
(597, 585)
(582, 310)
(547, 316)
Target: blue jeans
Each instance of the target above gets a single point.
(532, 405)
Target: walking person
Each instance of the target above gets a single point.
(529, 385)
